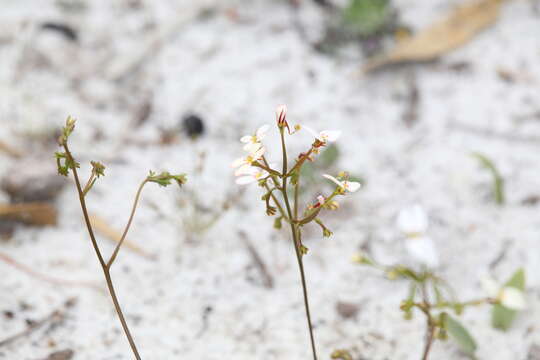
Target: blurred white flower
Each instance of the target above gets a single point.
(324, 136)
(412, 221)
(345, 185)
(249, 175)
(509, 297)
(320, 200)
(244, 163)
(253, 142)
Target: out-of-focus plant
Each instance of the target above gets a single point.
(66, 163)
(498, 181)
(433, 297)
(282, 189)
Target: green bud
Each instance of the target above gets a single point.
(277, 222)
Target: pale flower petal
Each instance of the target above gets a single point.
(333, 179)
(412, 220)
(422, 249)
(246, 138)
(252, 147)
(512, 298)
(238, 162)
(261, 132)
(351, 186)
(245, 169)
(329, 135)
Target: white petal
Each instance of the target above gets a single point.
(512, 298)
(259, 153)
(352, 186)
(333, 179)
(261, 132)
(422, 249)
(320, 199)
(331, 135)
(246, 170)
(412, 220)
(244, 180)
(238, 162)
(490, 286)
(252, 147)
(246, 138)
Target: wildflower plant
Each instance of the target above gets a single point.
(432, 295)
(282, 184)
(66, 163)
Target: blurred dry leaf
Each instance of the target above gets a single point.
(10, 150)
(109, 232)
(455, 30)
(34, 213)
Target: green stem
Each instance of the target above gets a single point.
(295, 229)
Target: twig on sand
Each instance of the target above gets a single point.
(267, 279)
(33, 273)
(54, 317)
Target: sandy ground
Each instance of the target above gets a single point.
(203, 297)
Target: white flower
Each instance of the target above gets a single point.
(413, 222)
(245, 162)
(509, 297)
(350, 186)
(253, 142)
(250, 175)
(324, 136)
(422, 249)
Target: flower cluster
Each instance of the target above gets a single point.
(282, 185)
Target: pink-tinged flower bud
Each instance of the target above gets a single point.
(281, 116)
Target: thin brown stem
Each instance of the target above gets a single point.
(430, 331)
(100, 257)
(126, 229)
(295, 234)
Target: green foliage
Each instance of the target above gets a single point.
(498, 181)
(502, 317)
(367, 17)
(165, 178)
(64, 163)
(459, 334)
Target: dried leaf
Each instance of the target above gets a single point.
(455, 30)
(34, 213)
(109, 232)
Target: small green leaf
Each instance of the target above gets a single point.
(367, 17)
(461, 336)
(502, 317)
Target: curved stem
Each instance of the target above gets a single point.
(133, 208)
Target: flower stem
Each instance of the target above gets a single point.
(295, 234)
(102, 262)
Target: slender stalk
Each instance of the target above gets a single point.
(133, 208)
(295, 233)
(104, 265)
(430, 332)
